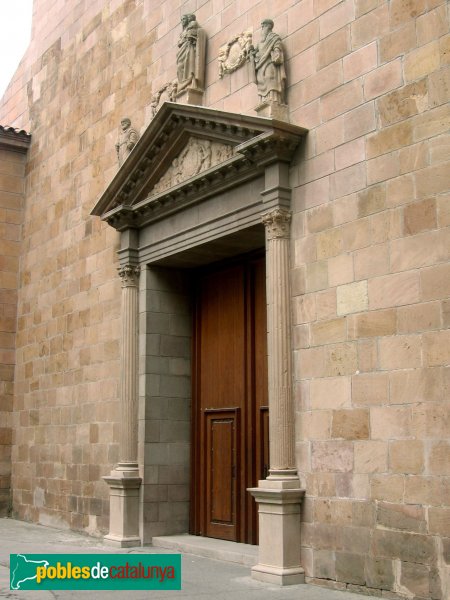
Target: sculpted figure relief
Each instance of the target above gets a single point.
(126, 141)
(268, 60)
(191, 54)
(197, 156)
(167, 92)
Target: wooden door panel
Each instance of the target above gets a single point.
(221, 453)
(229, 390)
(222, 340)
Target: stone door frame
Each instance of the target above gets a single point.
(171, 223)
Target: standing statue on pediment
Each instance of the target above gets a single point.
(269, 70)
(191, 55)
(128, 137)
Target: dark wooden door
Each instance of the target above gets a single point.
(230, 443)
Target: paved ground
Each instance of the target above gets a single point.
(203, 578)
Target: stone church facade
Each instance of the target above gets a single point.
(240, 329)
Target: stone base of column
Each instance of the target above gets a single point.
(124, 484)
(190, 96)
(274, 110)
(279, 504)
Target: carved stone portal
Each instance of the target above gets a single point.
(197, 156)
(235, 53)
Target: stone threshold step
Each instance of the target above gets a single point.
(243, 554)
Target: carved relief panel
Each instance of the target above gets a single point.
(167, 93)
(197, 156)
(235, 53)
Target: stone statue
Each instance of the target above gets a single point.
(268, 60)
(126, 141)
(191, 55)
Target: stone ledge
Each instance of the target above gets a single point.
(234, 552)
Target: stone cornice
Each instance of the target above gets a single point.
(128, 200)
(194, 190)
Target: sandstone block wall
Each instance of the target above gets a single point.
(12, 182)
(370, 265)
(66, 409)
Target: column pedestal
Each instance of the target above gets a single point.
(190, 96)
(124, 508)
(273, 110)
(279, 532)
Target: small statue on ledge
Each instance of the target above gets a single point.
(191, 55)
(128, 137)
(268, 63)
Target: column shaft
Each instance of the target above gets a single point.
(128, 367)
(281, 407)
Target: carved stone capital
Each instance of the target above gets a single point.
(277, 223)
(129, 275)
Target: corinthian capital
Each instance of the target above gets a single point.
(277, 223)
(129, 275)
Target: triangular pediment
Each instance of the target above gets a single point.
(191, 151)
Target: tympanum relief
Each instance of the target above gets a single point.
(197, 156)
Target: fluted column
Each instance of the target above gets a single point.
(281, 407)
(128, 369)
(124, 481)
(279, 496)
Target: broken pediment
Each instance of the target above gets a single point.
(189, 153)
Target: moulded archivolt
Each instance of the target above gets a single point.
(235, 53)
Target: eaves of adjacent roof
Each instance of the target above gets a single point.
(14, 139)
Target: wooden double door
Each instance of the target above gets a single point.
(230, 414)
